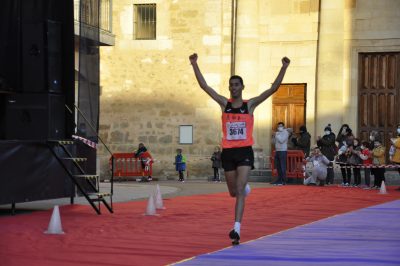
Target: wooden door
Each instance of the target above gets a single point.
(288, 106)
(379, 95)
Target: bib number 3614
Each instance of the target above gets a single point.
(236, 130)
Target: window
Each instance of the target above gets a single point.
(186, 134)
(144, 22)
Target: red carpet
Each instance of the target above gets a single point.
(189, 226)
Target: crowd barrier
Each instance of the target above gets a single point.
(295, 164)
(125, 164)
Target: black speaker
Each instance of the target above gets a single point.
(41, 56)
(2, 115)
(38, 116)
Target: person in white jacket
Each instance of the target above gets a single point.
(319, 170)
(280, 139)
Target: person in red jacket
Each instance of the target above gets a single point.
(237, 127)
(145, 161)
(366, 158)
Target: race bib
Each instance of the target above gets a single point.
(236, 131)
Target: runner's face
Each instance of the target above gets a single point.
(235, 87)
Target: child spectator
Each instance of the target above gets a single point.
(216, 164)
(344, 138)
(396, 153)
(392, 149)
(180, 164)
(342, 159)
(355, 161)
(320, 164)
(378, 159)
(366, 157)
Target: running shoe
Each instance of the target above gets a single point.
(234, 236)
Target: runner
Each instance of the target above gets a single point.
(237, 127)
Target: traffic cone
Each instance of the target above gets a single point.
(383, 188)
(55, 227)
(158, 199)
(151, 208)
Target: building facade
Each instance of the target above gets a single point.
(345, 68)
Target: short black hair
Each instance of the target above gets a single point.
(281, 123)
(236, 77)
(303, 128)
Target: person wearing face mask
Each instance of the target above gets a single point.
(378, 158)
(216, 163)
(396, 153)
(319, 170)
(355, 161)
(303, 141)
(280, 139)
(372, 136)
(328, 148)
(345, 139)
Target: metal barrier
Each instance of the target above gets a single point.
(125, 164)
(294, 165)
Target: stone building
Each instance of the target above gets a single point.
(345, 68)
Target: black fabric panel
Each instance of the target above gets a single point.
(30, 172)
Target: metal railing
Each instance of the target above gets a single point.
(104, 144)
(95, 13)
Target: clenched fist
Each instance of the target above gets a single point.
(285, 61)
(193, 58)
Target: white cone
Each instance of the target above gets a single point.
(55, 226)
(151, 208)
(383, 188)
(158, 199)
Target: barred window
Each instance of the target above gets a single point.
(144, 22)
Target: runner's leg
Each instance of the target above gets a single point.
(230, 177)
(241, 181)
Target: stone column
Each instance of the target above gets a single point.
(330, 92)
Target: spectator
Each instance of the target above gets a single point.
(146, 161)
(290, 144)
(329, 149)
(366, 158)
(280, 139)
(319, 171)
(355, 161)
(396, 144)
(216, 164)
(378, 159)
(180, 164)
(344, 139)
(303, 141)
(372, 136)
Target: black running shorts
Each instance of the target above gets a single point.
(233, 157)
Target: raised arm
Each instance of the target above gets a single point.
(221, 100)
(254, 102)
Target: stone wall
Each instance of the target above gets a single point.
(149, 89)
